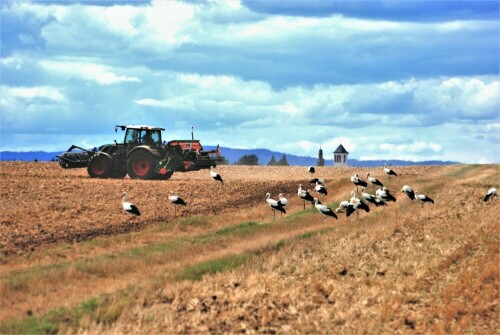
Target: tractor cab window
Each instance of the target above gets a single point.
(156, 136)
(150, 137)
(132, 135)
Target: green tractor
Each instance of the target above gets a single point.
(142, 155)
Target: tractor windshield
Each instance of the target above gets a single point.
(156, 136)
(143, 136)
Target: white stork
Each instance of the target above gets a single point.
(374, 181)
(492, 192)
(317, 180)
(215, 175)
(408, 191)
(320, 189)
(311, 170)
(275, 205)
(326, 211)
(385, 195)
(358, 181)
(283, 201)
(177, 201)
(342, 207)
(354, 204)
(305, 195)
(423, 198)
(370, 198)
(388, 171)
(129, 207)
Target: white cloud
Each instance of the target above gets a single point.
(207, 82)
(89, 71)
(406, 103)
(412, 148)
(483, 160)
(12, 62)
(30, 93)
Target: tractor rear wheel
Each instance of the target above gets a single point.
(99, 167)
(141, 165)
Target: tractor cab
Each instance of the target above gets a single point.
(141, 135)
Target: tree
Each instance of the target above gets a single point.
(283, 161)
(248, 160)
(272, 161)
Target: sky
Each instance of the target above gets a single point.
(412, 80)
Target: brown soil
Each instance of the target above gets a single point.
(43, 204)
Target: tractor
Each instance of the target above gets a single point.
(142, 155)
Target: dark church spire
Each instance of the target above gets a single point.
(321, 160)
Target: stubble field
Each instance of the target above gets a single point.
(73, 262)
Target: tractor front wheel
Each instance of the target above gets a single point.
(99, 167)
(141, 165)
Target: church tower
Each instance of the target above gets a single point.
(321, 160)
(340, 156)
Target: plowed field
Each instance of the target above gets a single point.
(42, 203)
(73, 262)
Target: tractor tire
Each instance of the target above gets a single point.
(141, 165)
(99, 167)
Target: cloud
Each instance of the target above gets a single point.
(227, 37)
(416, 103)
(412, 148)
(88, 71)
(12, 62)
(375, 10)
(282, 76)
(30, 93)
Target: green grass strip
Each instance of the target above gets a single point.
(197, 271)
(50, 322)
(18, 279)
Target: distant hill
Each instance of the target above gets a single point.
(28, 156)
(264, 155)
(233, 155)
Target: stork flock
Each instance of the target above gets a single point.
(381, 197)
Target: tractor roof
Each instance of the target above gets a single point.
(139, 127)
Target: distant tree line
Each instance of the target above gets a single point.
(254, 160)
(248, 160)
(281, 162)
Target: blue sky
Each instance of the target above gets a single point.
(414, 80)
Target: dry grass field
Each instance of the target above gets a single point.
(73, 263)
